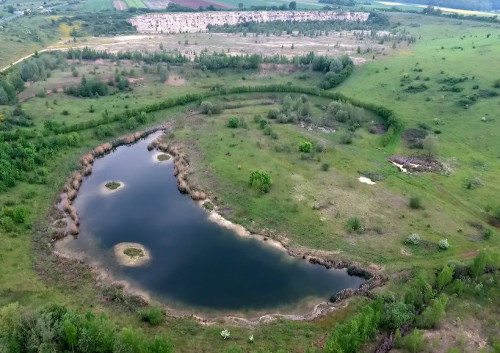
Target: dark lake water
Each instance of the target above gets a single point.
(195, 262)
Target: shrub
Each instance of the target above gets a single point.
(257, 118)
(305, 147)
(413, 239)
(320, 147)
(396, 314)
(353, 224)
(7, 223)
(443, 244)
(325, 167)
(345, 139)
(273, 113)
(233, 122)
(445, 277)
(434, 313)
(496, 84)
(19, 214)
(261, 179)
(210, 108)
(152, 315)
(415, 202)
(414, 342)
(262, 124)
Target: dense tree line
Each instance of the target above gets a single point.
(374, 22)
(88, 88)
(217, 61)
(149, 58)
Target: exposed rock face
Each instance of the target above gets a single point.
(192, 22)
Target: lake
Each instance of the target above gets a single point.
(195, 263)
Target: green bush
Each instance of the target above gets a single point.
(434, 313)
(345, 139)
(325, 167)
(233, 122)
(413, 343)
(305, 147)
(445, 277)
(348, 337)
(396, 314)
(415, 202)
(152, 315)
(273, 113)
(261, 180)
(353, 224)
(210, 108)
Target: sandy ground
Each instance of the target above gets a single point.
(129, 261)
(334, 44)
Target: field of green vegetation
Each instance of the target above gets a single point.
(433, 234)
(138, 4)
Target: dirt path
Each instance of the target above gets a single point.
(29, 56)
(120, 5)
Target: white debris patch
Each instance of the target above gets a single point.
(366, 180)
(193, 22)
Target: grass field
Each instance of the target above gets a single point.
(22, 37)
(98, 5)
(138, 4)
(306, 204)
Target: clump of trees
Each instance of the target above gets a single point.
(211, 108)
(340, 113)
(37, 68)
(291, 110)
(217, 61)
(88, 88)
(57, 329)
(423, 306)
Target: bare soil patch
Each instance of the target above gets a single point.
(416, 164)
(175, 81)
